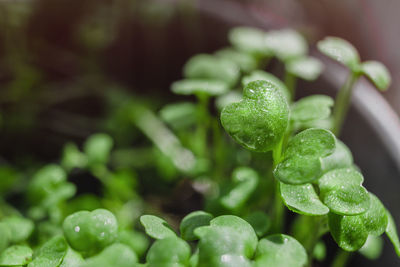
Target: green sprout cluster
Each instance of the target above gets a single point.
(253, 156)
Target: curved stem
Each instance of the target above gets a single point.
(342, 102)
(202, 126)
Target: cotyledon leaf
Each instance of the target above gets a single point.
(199, 87)
(349, 232)
(307, 68)
(249, 40)
(16, 256)
(260, 222)
(302, 159)
(204, 66)
(51, 253)
(315, 107)
(259, 120)
(169, 250)
(286, 44)
(391, 232)
(246, 180)
(245, 61)
(375, 217)
(372, 248)
(340, 50)
(263, 75)
(280, 251)
(340, 158)
(342, 192)
(377, 73)
(193, 220)
(302, 199)
(156, 227)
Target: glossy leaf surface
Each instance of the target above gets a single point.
(315, 107)
(259, 120)
(16, 256)
(377, 73)
(51, 253)
(169, 250)
(263, 75)
(193, 220)
(156, 227)
(340, 50)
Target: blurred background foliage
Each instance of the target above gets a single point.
(66, 65)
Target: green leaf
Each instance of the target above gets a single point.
(51, 253)
(228, 98)
(280, 251)
(228, 228)
(156, 227)
(72, 157)
(349, 232)
(375, 217)
(137, 241)
(340, 158)
(377, 73)
(245, 182)
(179, 115)
(259, 120)
(72, 259)
(16, 256)
(245, 61)
(97, 148)
(249, 40)
(199, 87)
(372, 248)
(115, 255)
(310, 108)
(342, 192)
(302, 159)
(19, 228)
(193, 220)
(169, 250)
(307, 68)
(391, 232)
(90, 231)
(209, 67)
(286, 44)
(4, 236)
(263, 75)
(260, 222)
(341, 51)
(302, 199)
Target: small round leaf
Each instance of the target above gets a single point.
(306, 68)
(193, 220)
(340, 50)
(249, 40)
(156, 227)
(16, 256)
(263, 75)
(372, 248)
(260, 222)
(245, 61)
(340, 158)
(286, 44)
(310, 108)
(51, 253)
(302, 199)
(199, 87)
(168, 250)
(377, 73)
(375, 217)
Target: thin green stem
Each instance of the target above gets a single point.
(342, 102)
(341, 259)
(290, 82)
(279, 208)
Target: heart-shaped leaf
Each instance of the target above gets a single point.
(245, 61)
(391, 232)
(302, 199)
(286, 44)
(245, 180)
(260, 119)
(307, 68)
(51, 253)
(193, 220)
(341, 51)
(372, 248)
(228, 228)
(340, 158)
(302, 159)
(249, 40)
(310, 108)
(263, 75)
(377, 73)
(168, 250)
(280, 251)
(260, 222)
(199, 87)
(342, 192)
(16, 256)
(209, 67)
(349, 232)
(72, 157)
(156, 227)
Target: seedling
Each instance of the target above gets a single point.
(276, 153)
